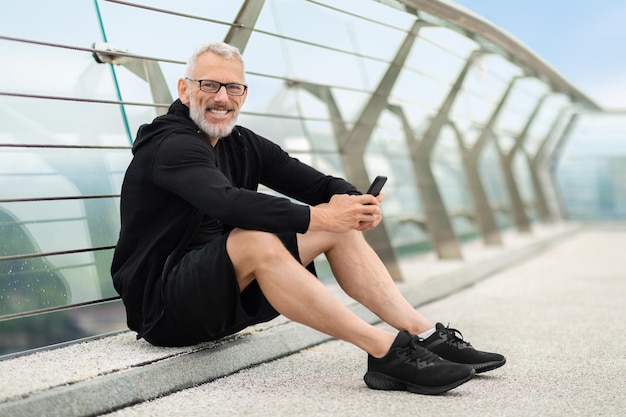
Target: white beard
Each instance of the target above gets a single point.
(213, 131)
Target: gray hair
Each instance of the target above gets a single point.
(222, 49)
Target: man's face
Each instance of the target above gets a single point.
(215, 113)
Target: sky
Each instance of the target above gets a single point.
(584, 40)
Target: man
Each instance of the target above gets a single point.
(202, 254)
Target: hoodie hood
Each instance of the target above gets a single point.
(177, 117)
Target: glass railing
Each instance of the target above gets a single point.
(464, 120)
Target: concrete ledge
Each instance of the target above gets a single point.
(114, 372)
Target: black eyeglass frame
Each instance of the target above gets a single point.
(225, 85)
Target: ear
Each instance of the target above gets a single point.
(183, 91)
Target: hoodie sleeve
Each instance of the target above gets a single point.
(297, 180)
(185, 165)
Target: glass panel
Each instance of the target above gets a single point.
(591, 172)
(46, 21)
(61, 225)
(43, 173)
(285, 132)
(264, 91)
(387, 154)
(137, 116)
(68, 325)
(371, 72)
(418, 117)
(389, 138)
(448, 170)
(158, 36)
(67, 73)
(401, 207)
(463, 226)
(322, 136)
(469, 113)
(493, 180)
(305, 64)
(519, 106)
(376, 11)
(329, 164)
(433, 61)
(418, 89)
(350, 103)
(36, 283)
(556, 134)
(227, 10)
(288, 16)
(453, 42)
(132, 87)
(256, 56)
(60, 122)
(552, 111)
(505, 142)
(342, 31)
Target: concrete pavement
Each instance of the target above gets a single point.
(559, 319)
(556, 316)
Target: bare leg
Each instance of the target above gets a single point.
(363, 276)
(296, 293)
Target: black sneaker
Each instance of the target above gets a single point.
(449, 344)
(410, 367)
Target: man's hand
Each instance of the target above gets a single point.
(347, 212)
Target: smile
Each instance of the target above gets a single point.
(218, 112)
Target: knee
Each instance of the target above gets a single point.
(349, 238)
(256, 245)
(352, 241)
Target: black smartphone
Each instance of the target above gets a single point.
(377, 185)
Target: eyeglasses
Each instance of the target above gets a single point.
(210, 86)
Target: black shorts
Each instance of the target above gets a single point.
(202, 298)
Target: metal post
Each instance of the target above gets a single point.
(537, 169)
(147, 70)
(353, 143)
(519, 215)
(483, 214)
(241, 30)
(507, 166)
(552, 160)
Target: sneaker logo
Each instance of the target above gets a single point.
(436, 343)
(422, 364)
(411, 357)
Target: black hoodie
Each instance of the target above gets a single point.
(174, 181)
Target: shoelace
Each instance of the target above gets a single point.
(453, 338)
(420, 354)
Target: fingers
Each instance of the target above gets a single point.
(367, 225)
(349, 212)
(368, 209)
(366, 199)
(370, 219)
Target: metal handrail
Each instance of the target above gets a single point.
(465, 21)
